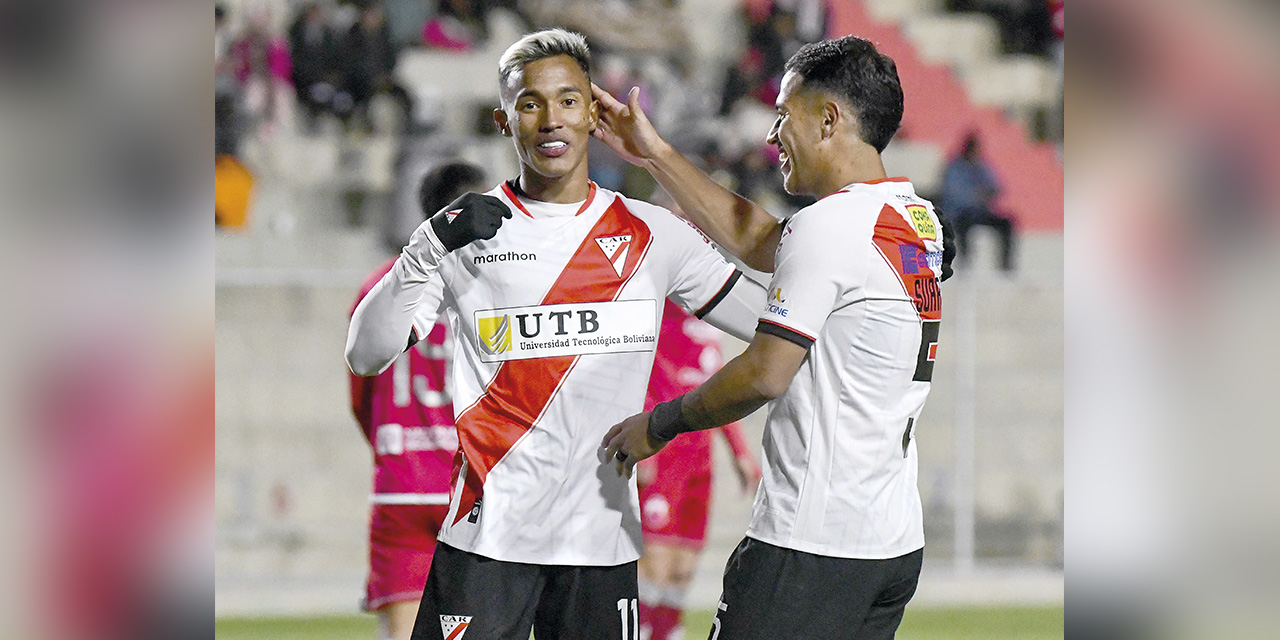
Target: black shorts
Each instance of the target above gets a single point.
(488, 599)
(771, 592)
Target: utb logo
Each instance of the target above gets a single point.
(495, 334)
(922, 222)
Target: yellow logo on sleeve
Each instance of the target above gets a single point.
(923, 222)
(495, 334)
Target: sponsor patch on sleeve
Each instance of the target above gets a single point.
(923, 222)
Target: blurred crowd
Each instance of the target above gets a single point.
(326, 64)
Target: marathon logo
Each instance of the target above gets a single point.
(582, 328)
(915, 261)
(510, 256)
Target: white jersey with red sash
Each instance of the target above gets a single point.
(556, 320)
(857, 278)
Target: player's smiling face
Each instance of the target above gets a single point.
(796, 132)
(549, 111)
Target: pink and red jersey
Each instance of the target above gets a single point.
(688, 354)
(407, 417)
(675, 502)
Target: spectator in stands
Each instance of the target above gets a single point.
(226, 93)
(1026, 26)
(772, 37)
(459, 25)
(368, 59)
(316, 80)
(969, 189)
(260, 59)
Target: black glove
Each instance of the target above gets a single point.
(479, 217)
(948, 244)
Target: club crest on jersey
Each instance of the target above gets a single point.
(923, 223)
(615, 249)
(495, 334)
(454, 627)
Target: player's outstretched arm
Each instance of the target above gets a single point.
(760, 374)
(739, 225)
(382, 324)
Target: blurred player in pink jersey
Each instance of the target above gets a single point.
(407, 417)
(675, 484)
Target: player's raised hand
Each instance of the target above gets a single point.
(625, 128)
(628, 442)
(473, 216)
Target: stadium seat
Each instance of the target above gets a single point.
(961, 41)
(1020, 85)
(922, 161)
(900, 11)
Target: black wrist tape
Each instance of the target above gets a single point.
(667, 420)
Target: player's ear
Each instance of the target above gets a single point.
(593, 114)
(831, 116)
(500, 119)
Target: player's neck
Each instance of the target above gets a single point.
(569, 188)
(864, 165)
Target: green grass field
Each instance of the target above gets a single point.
(985, 623)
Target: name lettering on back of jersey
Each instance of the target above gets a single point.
(453, 627)
(928, 297)
(615, 248)
(583, 328)
(923, 222)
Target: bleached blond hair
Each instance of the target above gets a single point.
(539, 45)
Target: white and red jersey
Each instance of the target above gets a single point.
(555, 322)
(857, 278)
(407, 417)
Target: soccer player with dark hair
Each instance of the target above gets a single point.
(843, 351)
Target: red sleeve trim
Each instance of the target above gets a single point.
(784, 332)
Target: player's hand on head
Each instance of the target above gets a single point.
(625, 128)
(473, 216)
(628, 442)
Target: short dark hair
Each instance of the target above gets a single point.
(445, 183)
(850, 67)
